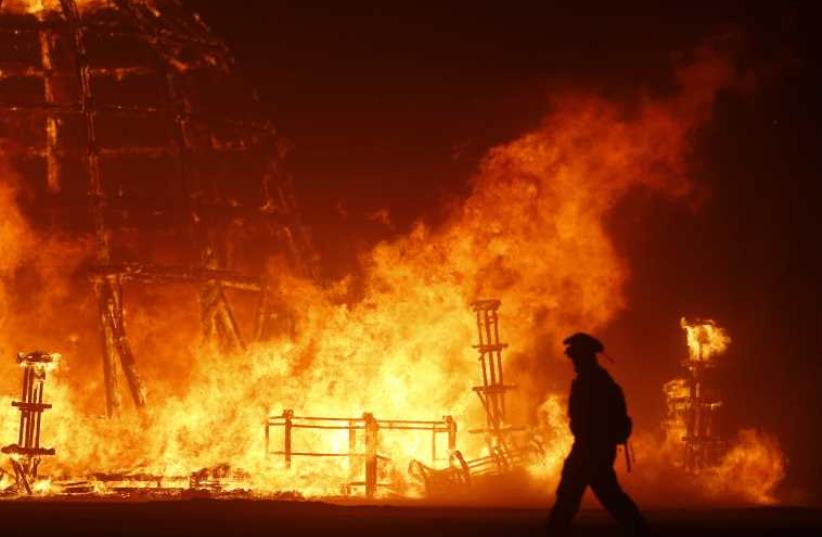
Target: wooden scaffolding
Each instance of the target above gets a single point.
(127, 121)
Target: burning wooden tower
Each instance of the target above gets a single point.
(694, 401)
(127, 122)
(493, 389)
(27, 452)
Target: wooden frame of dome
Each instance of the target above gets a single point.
(126, 121)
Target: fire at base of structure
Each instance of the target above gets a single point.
(367, 460)
(446, 468)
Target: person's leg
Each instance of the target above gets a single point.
(569, 494)
(606, 488)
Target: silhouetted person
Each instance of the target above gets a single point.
(599, 422)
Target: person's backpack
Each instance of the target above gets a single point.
(625, 429)
(622, 426)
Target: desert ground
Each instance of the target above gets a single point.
(205, 517)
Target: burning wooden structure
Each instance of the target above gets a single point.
(363, 454)
(446, 468)
(126, 121)
(493, 389)
(694, 402)
(506, 452)
(27, 452)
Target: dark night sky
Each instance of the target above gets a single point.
(391, 106)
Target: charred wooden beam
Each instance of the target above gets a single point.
(264, 128)
(72, 15)
(19, 70)
(154, 273)
(131, 151)
(109, 289)
(53, 174)
(218, 319)
(159, 37)
(43, 108)
(155, 152)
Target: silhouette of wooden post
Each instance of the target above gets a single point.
(452, 433)
(372, 429)
(267, 436)
(288, 415)
(354, 462)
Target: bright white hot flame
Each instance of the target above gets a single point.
(705, 339)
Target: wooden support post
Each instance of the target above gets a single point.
(21, 476)
(51, 124)
(113, 401)
(115, 344)
(433, 446)
(261, 320)
(288, 415)
(267, 436)
(452, 433)
(88, 107)
(371, 451)
(218, 320)
(353, 460)
(227, 325)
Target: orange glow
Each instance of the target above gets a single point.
(396, 342)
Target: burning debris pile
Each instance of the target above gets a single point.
(141, 187)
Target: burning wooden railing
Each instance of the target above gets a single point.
(461, 472)
(371, 427)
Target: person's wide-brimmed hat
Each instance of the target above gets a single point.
(584, 342)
